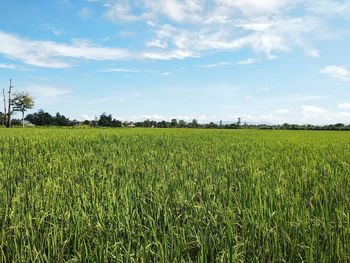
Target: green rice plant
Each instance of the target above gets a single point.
(174, 195)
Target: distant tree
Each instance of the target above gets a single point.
(212, 125)
(194, 123)
(239, 121)
(2, 118)
(40, 118)
(105, 120)
(163, 124)
(339, 126)
(153, 124)
(22, 102)
(60, 120)
(116, 123)
(146, 123)
(173, 123)
(87, 122)
(182, 124)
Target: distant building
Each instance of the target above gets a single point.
(28, 124)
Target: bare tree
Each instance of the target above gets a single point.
(9, 112)
(4, 120)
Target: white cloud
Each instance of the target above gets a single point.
(101, 100)
(127, 70)
(329, 7)
(309, 97)
(246, 61)
(57, 32)
(46, 94)
(302, 118)
(254, 7)
(226, 91)
(121, 11)
(190, 28)
(121, 70)
(167, 55)
(160, 117)
(345, 105)
(167, 73)
(157, 43)
(312, 109)
(278, 34)
(127, 34)
(337, 72)
(223, 25)
(266, 88)
(268, 118)
(87, 117)
(216, 65)
(8, 66)
(282, 111)
(13, 67)
(313, 52)
(344, 115)
(85, 12)
(177, 10)
(54, 55)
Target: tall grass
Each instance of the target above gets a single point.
(174, 196)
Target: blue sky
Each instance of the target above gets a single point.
(270, 61)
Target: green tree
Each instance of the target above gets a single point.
(61, 120)
(40, 118)
(22, 102)
(105, 120)
(194, 123)
(173, 123)
(182, 124)
(2, 118)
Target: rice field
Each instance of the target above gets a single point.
(174, 195)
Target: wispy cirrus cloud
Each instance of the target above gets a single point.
(218, 25)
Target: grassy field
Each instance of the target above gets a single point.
(151, 195)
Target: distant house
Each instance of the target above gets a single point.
(28, 124)
(131, 125)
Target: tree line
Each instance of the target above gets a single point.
(21, 102)
(42, 118)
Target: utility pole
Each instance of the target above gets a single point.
(239, 121)
(9, 105)
(4, 121)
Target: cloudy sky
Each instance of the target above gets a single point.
(267, 61)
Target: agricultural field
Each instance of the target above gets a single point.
(174, 195)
